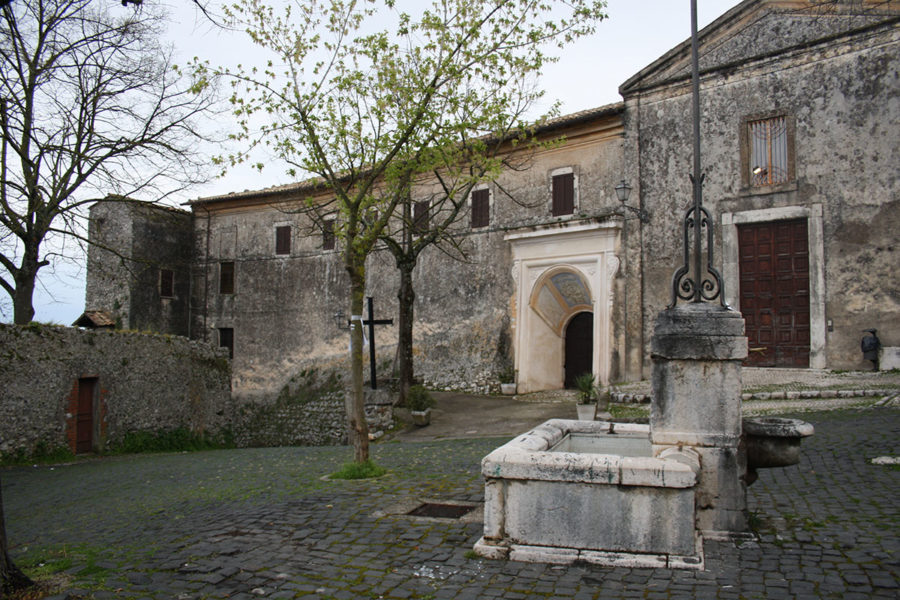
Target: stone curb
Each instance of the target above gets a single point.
(638, 398)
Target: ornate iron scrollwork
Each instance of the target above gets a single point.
(706, 284)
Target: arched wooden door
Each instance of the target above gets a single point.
(579, 357)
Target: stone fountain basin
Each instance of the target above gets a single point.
(774, 441)
(589, 490)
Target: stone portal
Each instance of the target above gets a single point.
(559, 274)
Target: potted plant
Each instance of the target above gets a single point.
(419, 402)
(507, 381)
(586, 405)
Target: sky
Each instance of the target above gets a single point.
(636, 33)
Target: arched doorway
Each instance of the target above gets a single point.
(559, 273)
(579, 351)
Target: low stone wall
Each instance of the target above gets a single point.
(129, 382)
(308, 412)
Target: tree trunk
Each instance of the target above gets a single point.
(407, 297)
(357, 428)
(25, 277)
(11, 578)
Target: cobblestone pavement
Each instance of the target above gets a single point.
(261, 523)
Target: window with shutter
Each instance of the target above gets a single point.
(283, 239)
(420, 217)
(226, 278)
(563, 194)
(226, 340)
(166, 283)
(328, 235)
(481, 208)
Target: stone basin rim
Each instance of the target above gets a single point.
(777, 427)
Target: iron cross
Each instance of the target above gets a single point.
(372, 322)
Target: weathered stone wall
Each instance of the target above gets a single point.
(841, 95)
(283, 306)
(144, 383)
(133, 241)
(308, 411)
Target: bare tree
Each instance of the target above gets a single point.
(90, 105)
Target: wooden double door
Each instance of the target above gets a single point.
(774, 280)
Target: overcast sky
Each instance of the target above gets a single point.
(588, 75)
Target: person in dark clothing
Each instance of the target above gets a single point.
(871, 346)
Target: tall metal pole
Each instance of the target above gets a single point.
(691, 282)
(696, 178)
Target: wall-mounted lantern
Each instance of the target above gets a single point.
(623, 190)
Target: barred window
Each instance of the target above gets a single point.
(768, 148)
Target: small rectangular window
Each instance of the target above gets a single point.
(283, 239)
(226, 340)
(328, 234)
(481, 208)
(166, 283)
(563, 194)
(420, 216)
(768, 147)
(226, 278)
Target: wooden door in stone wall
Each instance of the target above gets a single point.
(774, 280)
(579, 347)
(84, 424)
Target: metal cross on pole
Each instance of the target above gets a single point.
(372, 322)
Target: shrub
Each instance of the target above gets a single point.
(419, 399)
(587, 391)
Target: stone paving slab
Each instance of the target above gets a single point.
(261, 523)
(790, 384)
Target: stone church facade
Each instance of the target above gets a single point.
(800, 149)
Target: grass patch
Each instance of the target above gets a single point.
(355, 470)
(53, 570)
(629, 411)
(176, 440)
(42, 454)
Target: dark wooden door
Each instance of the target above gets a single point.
(579, 347)
(774, 278)
(84, 429)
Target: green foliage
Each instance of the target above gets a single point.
(357, 470)
(175, 440)
(43, 453)
(419, 398)
(587, 390)
(631, 412)
(373, 102)
(507, 375)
